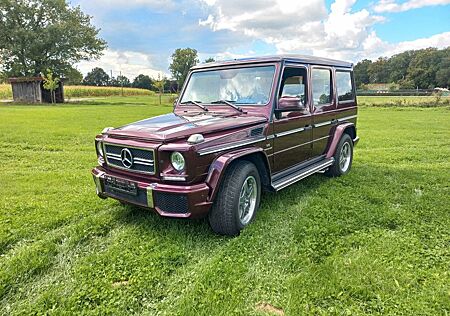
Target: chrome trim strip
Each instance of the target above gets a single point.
(347, 118)
(303, 175)
(322, 124)
(292, 131)
(236, 145)
(142, 159)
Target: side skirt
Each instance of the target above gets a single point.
(298, 175)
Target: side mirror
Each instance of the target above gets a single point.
(290, 103)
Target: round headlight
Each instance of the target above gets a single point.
(177, 161)
(100, 148)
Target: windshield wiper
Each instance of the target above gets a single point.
(197, 103)
(228, 103)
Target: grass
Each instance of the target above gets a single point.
(85, 92)
(376, 241)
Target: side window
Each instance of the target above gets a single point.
(321, 86)
(293, 84)
(344, 86)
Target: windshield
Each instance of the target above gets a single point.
(250, 85)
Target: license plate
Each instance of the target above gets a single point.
(121, 185)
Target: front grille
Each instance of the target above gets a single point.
(170, 202)
(142, 160)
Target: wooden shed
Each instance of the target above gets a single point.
(31, 90)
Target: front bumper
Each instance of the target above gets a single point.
(167, 200)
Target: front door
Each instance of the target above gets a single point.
(293, 129)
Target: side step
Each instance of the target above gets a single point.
(301, 174)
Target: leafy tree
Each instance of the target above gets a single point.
(51, 84)
(378, 71)
(209, 60)
(361, 72)
(123, 81)
(143, 82)
(119, 81)
(96, 77)
(182, 61)
(36, 35)
(73, 76)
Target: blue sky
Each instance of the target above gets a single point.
(142, 34)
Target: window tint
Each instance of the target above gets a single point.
(344, 85)
(321, 85)
(294, 84)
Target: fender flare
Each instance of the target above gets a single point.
(220, 164)
(339, 130)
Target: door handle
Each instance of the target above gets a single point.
(308, 127)
(334, 121)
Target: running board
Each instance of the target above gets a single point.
(301, 174)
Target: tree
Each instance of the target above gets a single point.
(143, 82)
(96, 77)
(123, 81)
(51, 84)
(361, 72)
(209, 60)
(36, 35)
(159, 84)
(182, 61)
(73, 76)
(378, 71)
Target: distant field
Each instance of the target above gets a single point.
(404, 101)
(374, 242)
(85, 91)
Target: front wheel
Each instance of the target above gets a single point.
(343, 157)
(237, 200)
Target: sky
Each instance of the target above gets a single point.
(143, 34)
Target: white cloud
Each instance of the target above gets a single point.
(131, 64)
(394, 6)
(309, 29)
(297, 27)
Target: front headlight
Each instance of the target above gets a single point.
(177, 161)
(100, 149)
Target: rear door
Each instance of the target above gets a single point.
(323, 107)
(293, 129)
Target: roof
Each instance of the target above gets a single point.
(305, 59)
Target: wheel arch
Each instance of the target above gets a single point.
(220, 165)
(346, 128)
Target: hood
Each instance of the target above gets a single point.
(172, 126)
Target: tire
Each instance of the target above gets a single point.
(343, 157)
(230, 212)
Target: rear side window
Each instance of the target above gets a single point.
(344, 86)
(321, 85)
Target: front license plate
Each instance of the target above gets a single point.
(121, 185)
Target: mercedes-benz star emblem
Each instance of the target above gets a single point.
(127, 158)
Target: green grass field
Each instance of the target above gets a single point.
(376, 241)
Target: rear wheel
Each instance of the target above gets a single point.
(237, 200)
(343, 157)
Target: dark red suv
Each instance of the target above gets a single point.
(239, 127)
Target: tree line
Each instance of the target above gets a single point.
(99, 77)
(423, 69)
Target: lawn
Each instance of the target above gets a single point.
(376, 241)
